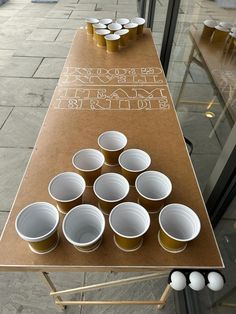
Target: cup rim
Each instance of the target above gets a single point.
(133, 150)
(92, 20)
(131, 25)
(210, 23)
(123, 20)
(138, 20)
(223, 24)
(63, 173)
(99, 26)
(190, 211)
(84, 150)
(106, 132)
(106, 175)
(105, 21)
(112, 37)
(75, 209)
(45, 236)
(119, 26)
(141, 209)
(150, 198)
(102, 31)
(122, 32)
(222, 29)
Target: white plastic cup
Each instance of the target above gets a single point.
(129, 221)
(208, 28)
(122, 21)
(133, 162)
(110, 189)
(90, 21)
(140, 21)
(179, 225)
(105, 21)
(83, 227)
(226, 25)
(153, 188)
(133, 29)
(112, 143)
(67, 189)
(124, 36)
(112, 42)
(89, 164)
(37, 224)
(114, 27)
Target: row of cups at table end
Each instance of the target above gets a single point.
(110, 189)
(222, 32)
(113, 35)
(84, 226)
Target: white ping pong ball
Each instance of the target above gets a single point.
(177, 281)
(216, 281)
(197, 281)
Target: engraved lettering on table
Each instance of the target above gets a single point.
(114, 98)
(101, 76)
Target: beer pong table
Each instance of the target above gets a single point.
(125, 91)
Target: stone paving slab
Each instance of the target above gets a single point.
(62, 23)
(22, 127)
(43, 49)
(66, 35)
(4, 113)
(44, 34)
(59, 14)
(75, 6)
(19, 67)
(28, 92)
(146, 290)
(97, 14)
(12, 166)
(50, 68)
(28, 21)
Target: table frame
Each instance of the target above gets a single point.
(61, 304)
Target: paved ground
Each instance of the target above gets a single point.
(34, 41)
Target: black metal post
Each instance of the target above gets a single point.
(151, 13)
(169, 32)
(142, 7)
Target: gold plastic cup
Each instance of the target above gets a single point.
(140, 21)
(90, 21)
(100, 37)
(67, 189)
(179, 225)
(89, 164)
(132, 27)
(105, 21)
(124, 37)
(132, 163)
(231, 42)
(37, 224)
(83, 227)
(112, 43)
(96, 27)
(220, 34)
(123, 21)
(113, 27)
(208, 28)
(112, 144)
(130, 222)
(110, 189)
(226, 25)
(153, 188)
